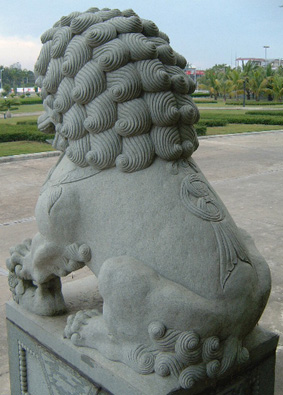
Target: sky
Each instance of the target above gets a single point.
(206, 32)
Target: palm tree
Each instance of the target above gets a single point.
(258, 83)
(236, 82)
(250, 79)
(225, 87)
(210, 83)
(269, 73)
(277, 87)
(246, 74)
(216, 81)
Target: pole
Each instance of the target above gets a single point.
(265, 48)
(244, 98)
(1, 70)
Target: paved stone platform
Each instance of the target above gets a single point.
(245, 170)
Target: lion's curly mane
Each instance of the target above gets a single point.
(114, 91)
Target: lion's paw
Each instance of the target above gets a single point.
(18, 286)
(85, 327)
(17, 263)
(42, 299)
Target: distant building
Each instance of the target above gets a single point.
(25, 90)
(193, 72)
(275, 63)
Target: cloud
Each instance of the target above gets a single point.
(24, 50)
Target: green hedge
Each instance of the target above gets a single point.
(31, 100)
(266, 112)
(8, 109)
(198, 101)
(253, 103)
(258, 120)
(21, 132)
(249, 119)
(200, 129)
(213, 122)
(25, 136)
(200, 94)
(8, 128)
(27, 123)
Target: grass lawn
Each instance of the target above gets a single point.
(25, 108)
(217, 114)
(221, 103)
(28, 108)
(232, 128)
(207, 113)
(209, 103)
(14, 120)
(23, 147)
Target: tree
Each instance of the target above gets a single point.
(210, 83)
(16, 77)
(221, 80)
(9, 104)
(246, 74)
(236, 82)
(258, 83)
(6, 89)
(224, 87)
(277, 87)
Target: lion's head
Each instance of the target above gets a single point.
(115, 92)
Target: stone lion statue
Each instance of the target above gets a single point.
(182, 286)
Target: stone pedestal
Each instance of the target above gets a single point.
(42, 362)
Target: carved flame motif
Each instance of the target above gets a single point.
(200, 199)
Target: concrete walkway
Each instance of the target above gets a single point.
(245, 170)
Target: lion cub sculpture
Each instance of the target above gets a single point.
(182, 286)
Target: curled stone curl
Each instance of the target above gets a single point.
(185, 355)
(109, 69)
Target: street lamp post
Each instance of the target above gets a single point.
(1, 70)
(244, 97)
(265, 48)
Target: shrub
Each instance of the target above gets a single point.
(200, 129)
(6, 109)
(200, 94)
(27, 136)
(253, 103)
(213, 122)
(30, 100)
(22, 132)
(27, 123)
(266, 112)
(199, 101)
(248, 119)
(7, 128)
(258, 120)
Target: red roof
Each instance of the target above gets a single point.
(197, 72)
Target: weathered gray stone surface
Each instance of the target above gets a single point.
(182, 285)
(37, 353)
(144, 334)
(224, 160)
